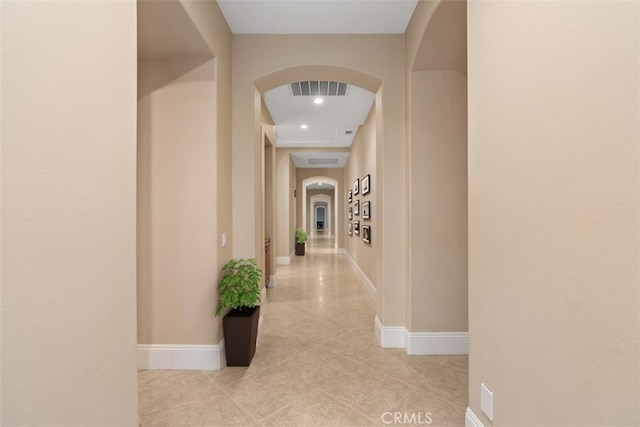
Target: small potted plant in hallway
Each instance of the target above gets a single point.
(240, 292)
(301, 239)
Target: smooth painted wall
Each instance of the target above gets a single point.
(68, 213)
(177, 201)
(285, 204)
(554, 211)
(438, 208)
(184, 170)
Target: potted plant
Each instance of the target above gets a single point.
(301, 239)
(240, 292)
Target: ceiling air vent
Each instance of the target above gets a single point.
(323, 161)
(319, 88)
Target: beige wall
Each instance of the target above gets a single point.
(184, 197)
(438, 209)
(553, 211)
(285, 185)
(265, 61)
(362, 162)
(268, 224)
(208, 20)
(68, 213)
(177, 227)
(437, 174)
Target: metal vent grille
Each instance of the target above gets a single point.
(319, 88)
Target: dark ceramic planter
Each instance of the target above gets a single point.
(240, 336)
(300, 247)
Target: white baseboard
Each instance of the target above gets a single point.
(341, 251)
(470, 419)
(369, 286)
(272, 281)
(421, 343)
(430, 343)
(181, 357)
(186, 357)
(390, 336)
(283, 260)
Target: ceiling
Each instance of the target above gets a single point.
(320, 186)
(301, 122)
(317, 16)
(334, 123)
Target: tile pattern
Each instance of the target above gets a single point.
(317, 364)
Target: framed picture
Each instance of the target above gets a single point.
(365, 185)
(356, 227)
(366, 210)
(366, 233)
(356, 207)
(350, 213)
(350, 229)
(356, 186)
(349, 196)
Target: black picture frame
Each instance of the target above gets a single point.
(366, 210)
(349, 196)
(356, 227)
(350, 229)
(350, 215)
(366, 234)
(356, 186)
(356, 207)
(366, 185)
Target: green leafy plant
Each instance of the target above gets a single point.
(301, 236)
(240, 285)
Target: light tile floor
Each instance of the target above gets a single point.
(317, 364)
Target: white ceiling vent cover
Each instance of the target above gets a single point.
(319, 88)
(323, 161)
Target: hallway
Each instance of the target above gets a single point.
(317, 363)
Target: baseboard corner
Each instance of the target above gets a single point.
(390, 336)
(471, 420)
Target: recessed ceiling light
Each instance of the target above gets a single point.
(319, 184)
(318, 100)
(303, 126)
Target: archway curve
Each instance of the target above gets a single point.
(314, 180)
(443, 45)
(318, 72)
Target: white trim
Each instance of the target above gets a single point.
(431, 343)
(181, 357)
(470, 419)
(371, 289)
(390, 336)
(272, 281)
(283, 260)
(421, 343)
(341, 251)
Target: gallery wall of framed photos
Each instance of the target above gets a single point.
(359, 209)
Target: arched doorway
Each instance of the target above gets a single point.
(332, 206)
